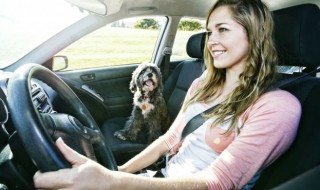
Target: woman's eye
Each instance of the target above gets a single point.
(223, 29)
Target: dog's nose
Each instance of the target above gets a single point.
(150, 75)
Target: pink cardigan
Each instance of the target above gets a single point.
(270, 126)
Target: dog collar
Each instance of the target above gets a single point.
(144, 97)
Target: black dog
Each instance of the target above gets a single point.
(149, 113)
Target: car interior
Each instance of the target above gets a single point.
(293, 51)
(296, 34)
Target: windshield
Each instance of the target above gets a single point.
(25, 24)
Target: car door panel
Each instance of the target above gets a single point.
(105, 91)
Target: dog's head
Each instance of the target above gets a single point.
(146, 78)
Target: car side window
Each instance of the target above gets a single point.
(127, 41)
(187, 27)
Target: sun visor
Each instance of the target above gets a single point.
(100, 7)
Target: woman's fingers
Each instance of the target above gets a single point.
(71, 155)
(52, 180)
(83, 174)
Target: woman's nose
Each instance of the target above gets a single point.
(212, 40)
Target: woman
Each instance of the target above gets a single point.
(252, 125)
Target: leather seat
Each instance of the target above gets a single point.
(175, 89)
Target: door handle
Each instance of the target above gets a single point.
(88, 77)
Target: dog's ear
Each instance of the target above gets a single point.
(133, 86)
(159, 75)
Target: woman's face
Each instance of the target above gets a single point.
(228, 43)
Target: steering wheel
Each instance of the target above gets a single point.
(38, 131)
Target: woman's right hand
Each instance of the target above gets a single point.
(84, 174)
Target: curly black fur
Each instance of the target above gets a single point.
(149, 114)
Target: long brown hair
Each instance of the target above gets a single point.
(259, 72)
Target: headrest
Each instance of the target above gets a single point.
(195, 45)
(297, 35)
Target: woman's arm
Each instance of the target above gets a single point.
(270, 126)
(145, 158)
(130, 181)
(87, 174)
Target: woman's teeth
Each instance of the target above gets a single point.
(216, 53)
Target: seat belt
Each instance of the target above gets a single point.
(191, 126)
(196, 122)
(167, 51)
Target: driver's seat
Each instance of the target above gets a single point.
(297, 38)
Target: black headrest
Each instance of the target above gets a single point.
(195, 45)
(297, 35)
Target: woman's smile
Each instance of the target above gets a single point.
(217, 53)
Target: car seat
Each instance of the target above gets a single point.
(297, 36)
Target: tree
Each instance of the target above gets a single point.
(147, 23)
(189, 25)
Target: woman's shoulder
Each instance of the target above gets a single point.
(279, 95)
(274, 108)
(278, 99)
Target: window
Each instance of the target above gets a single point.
(24, 25)
(187, 27)
(123, 42)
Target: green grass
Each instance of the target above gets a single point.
(119, 46)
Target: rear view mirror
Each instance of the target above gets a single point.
(101, 7)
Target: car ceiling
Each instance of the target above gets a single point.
(194, 8)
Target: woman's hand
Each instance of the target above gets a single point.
(84, 174)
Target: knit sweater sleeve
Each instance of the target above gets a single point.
(270, 126)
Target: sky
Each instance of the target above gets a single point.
(26, 23)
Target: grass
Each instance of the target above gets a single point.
(111, 46)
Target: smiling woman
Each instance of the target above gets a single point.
(26, 24)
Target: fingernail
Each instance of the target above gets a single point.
(60, 139)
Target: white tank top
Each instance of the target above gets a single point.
(194, 155)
